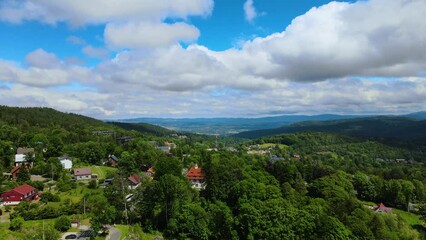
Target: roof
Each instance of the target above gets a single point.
(24, 189)
(195, 173)
(151, 170)
(82, 171)
(135, 179)
(113, 157)
(24, 150)
(382, 207)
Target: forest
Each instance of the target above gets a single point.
(301, 185)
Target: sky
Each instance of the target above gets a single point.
(111, 59)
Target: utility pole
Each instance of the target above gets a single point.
(84, 205)
(43, 229)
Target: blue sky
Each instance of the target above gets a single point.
(205, 58)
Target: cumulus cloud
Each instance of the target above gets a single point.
(80, 12)
(322, 62)
(144, 34)
(42, 59)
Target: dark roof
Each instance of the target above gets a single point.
(113, 157)
(82, 171)
(24, 150)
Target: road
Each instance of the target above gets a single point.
(114, 234)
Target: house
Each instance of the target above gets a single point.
(275, 158)
(381, 208)
(20, 155)
(23, 192)
(112, 160)
(82, 174)
(296, 156)
(75, 223)
(66, 162)
(164, 149)
(134, 181)
(196, 176)
(150, 172)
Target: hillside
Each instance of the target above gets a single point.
(144, 128)
(378, 127)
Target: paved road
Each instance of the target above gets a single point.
(114, 234)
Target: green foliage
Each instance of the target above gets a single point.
(49, 197)
(62, 224)
(16, 223)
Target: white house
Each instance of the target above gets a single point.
(20, 155)
(66, 162)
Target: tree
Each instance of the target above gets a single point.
(189, 221)
(23, 174)
(166, 165)
(63, 223)
(16, 223)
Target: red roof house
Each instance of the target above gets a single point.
(23, 192)
(150, 172)
(134, 180)
(196, 176)
(381, 208)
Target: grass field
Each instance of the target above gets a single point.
(410, 218)
(124, 229)
(268, 145)
(102, 171)
(75, 195)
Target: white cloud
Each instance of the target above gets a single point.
(144, 34)
(93, 52)
(42, 59)
(80, 12)
(249, 10)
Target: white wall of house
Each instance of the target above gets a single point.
(67, 164)
(84, 177)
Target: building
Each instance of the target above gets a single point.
(381, 208)
(112, 160)
(82, 174)
(66, 162)
(134, 181)
(23, 192)
(20, 155)
(196, 176)
(14, 172)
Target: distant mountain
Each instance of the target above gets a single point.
(379, 127)
(144, 128)
(227, 126)
(416, 115)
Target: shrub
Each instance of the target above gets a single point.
(63, 223)
(16, 223)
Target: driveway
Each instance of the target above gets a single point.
(114, 234)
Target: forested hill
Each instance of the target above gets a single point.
(45, 117)
(377, 127)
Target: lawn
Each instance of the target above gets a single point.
(77, 194)
(410, 218)
(102, 171)
(268, 145)
(124, 229)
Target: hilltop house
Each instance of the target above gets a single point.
(23, 192)
(66, 162)
(112, 160)
(20, 155)
(196, 176)
(82, 174)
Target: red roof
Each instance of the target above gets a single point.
(135, 179)
(151, 170)
(82, 171)
(195, 173)
(382, 207)
(24, 189)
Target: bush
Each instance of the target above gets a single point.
(49, 197)
(63, 223)
(93, 184)
(16, 224)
